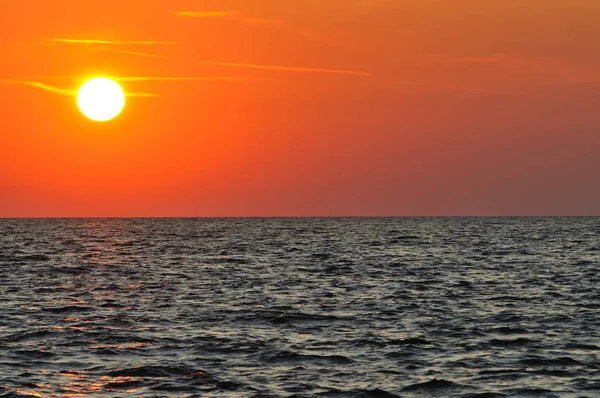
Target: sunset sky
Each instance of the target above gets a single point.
(302, 108)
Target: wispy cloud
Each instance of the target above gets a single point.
(483, 91)
(140, 54)
(111, 42)
(437, 87)
(290, 68)
(141, 95)
(451, 59)
(231, 15)
(551, 68)
(65, 91)
(150, 78)
(330, 38)
(173, 78)
(205, 14)
(43, 86)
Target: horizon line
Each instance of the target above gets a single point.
(287, 217)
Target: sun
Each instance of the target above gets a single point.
(101, 99)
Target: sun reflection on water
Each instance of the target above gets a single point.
(80, 384)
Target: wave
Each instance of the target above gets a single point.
(431, 386)
(291, 356)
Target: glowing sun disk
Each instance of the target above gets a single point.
(101, 99)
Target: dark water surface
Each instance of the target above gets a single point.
(300, 307)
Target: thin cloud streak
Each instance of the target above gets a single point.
(66, 91)
(112, 42)
(150, 78)
(43, 86)
(485, 91)
(435, 87)
(555, 69)
(229, 15)
(141, 95)
(290, 68)
(449, 59)
(205, 14)
(140, 54)
(173, 79)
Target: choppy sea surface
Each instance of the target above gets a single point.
(356, 307)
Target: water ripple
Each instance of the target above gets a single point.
(358, 307)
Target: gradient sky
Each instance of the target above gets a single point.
(302, 108)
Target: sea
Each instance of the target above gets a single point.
(300, 307)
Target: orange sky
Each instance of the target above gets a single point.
(302, 108)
